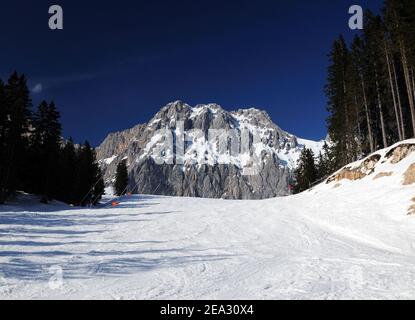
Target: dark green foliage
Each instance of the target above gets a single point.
(3, 126)
(68, 166)
(80, 180)
(399, 16)
(15, 123)
(306, 173)
(46, 147)
(312, 170)
(370, 85)
(121, 180)
(325, 163)
(339, 122)
(90, 183)
(33, 157)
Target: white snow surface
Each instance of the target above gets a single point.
(292, 156)
(353, 241)
(109, 160)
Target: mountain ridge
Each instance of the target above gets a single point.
(203, 170)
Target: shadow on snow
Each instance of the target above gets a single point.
(80, 264)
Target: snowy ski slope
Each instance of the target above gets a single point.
(351, 240)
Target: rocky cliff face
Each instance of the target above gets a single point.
(205, 151)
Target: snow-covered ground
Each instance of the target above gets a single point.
(348, 241)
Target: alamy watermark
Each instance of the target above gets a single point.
(356, 20)
(56, 280)
(56, 18)
(169, 146)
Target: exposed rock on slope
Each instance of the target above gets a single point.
(382, 175)
(409, 176)
(400, 152)
(203, 169)
(391, 168)
(364, 169)
(367, 166)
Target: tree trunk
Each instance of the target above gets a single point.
(398, 123)
(399, 102)
(413, 83)
(359, 130)
(382, 121)
(347, 131)
(369, 125)
(408, 85)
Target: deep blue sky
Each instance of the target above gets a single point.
(117, 62)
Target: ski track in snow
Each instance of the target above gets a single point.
(351, 242)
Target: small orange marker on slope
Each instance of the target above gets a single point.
(115, 203)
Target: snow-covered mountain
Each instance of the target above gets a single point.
(213, 153)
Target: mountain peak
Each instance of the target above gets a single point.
(210, 163)
(177, 106)
(210, 107)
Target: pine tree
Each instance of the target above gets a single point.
(68, 167)
(324, 163)
(392, 88)
(306, 173)
(90, 181)
(374, 49)
(32, 158)
(15, 132)
(355, 101)
(85, 175)
(365, 115)
(400, 24)
(341, 121)
(3, 112)
(371, 86)
(46, 142)
(121, 180)
(3, 126)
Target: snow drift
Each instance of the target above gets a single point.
(394, 166)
